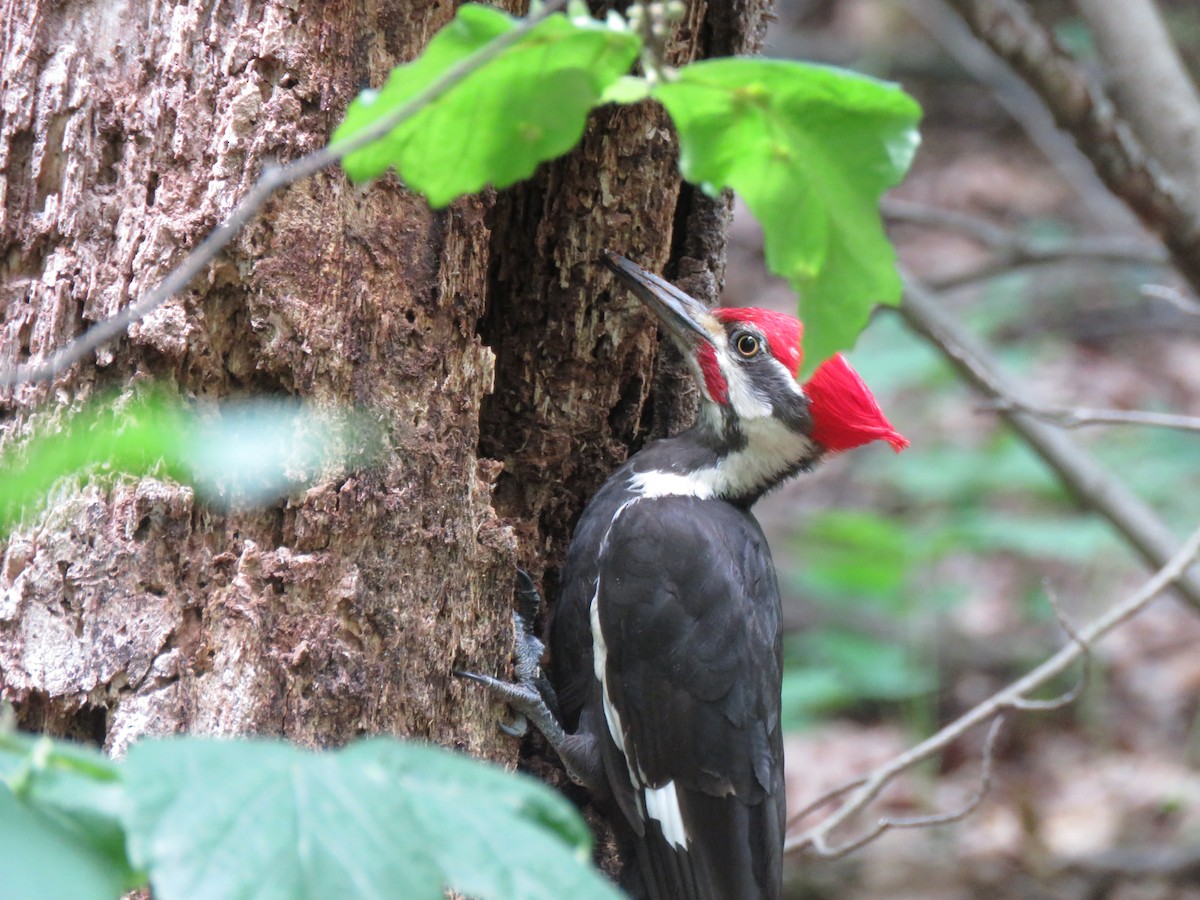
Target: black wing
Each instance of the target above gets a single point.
(689, 614)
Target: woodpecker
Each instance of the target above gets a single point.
(666, 660)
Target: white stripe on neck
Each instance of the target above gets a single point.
(772, 450)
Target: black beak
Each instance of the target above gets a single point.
(681, 315)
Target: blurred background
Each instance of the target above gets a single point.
(917, 585)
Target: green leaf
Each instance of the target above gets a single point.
(527, 105)
(41, 858)
(61, 798)
(858, 553)
(132, 439)
(252, 451)
(378, 819)
(628, 89)
(811, 149)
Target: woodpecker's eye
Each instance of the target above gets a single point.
(747, 345)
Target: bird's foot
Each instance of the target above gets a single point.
(530, 696)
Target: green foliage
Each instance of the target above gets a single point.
(60, 829)
(210, 818)
(378, 819)
(250, 451)
(858, 568)
(527, 105)
(811, 150)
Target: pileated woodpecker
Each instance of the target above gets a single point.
(665, 641)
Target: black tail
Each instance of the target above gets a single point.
(734, 852)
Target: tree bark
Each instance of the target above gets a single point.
(511, 375)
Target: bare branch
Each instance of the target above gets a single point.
(1018, 248)
(1012, 249)
(826, 798)
(817, 839)
(1081, 108)
(1085, 676)
(1078, 471)
(822, 848)
(1021, 102)
(1148, 80)
(1172, 295)
(272, 179)
(1080, 416)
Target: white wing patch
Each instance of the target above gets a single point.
(663, 804)
(612, 718)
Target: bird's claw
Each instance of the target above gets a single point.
(525, 699)
(530, 696)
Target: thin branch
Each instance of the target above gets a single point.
(1093, 485)
(272, 179)
(1080, 416)
(1172, 295)
(826, 798)
(817, 839)
(1080, 107)
(1073, 693)
(1012, 249)
(1019, 248)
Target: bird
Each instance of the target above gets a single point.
(663, 695)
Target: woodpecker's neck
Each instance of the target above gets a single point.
(718, 457)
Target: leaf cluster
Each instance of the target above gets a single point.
(193, 817)
(810, 148)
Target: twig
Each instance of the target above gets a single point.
(1080, 416)
(272, 179)
(1172, 295)
(1078, 471)
(1012, 249)
(1081, 108)
(1019, 248)
(817, 839)
(1073, 693)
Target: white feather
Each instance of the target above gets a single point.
(663, 804)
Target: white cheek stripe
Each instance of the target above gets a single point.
(745, 400)
(663, 804)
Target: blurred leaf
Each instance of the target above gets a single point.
(810, 693)
(136, 438)
(840, 668)
(260, 449)
(810, 149)
(856, 552)
(1077, 539)
(252, 451)
(942, 475)
(378, 819)
(527, 105)
(39, 858)
(61, 798)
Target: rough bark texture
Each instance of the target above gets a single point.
(128, 130)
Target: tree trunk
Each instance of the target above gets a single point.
(512, 376)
